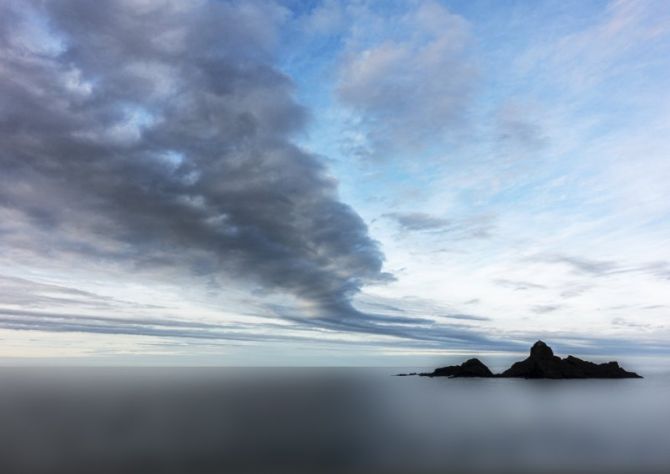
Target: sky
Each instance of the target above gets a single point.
(333, 183)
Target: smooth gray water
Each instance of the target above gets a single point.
(363, 420)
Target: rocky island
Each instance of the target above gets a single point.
(540, 364)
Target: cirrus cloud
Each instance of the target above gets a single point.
(408, 77)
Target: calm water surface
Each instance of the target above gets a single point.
(195, 420)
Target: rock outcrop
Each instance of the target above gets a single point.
(469, 368)
(541, 364)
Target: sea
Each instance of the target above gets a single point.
(227, 420)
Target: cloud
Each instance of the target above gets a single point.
(575, 290)
(586, 265)
(591, 55)
(428, 334)
(27, 305)
(546, 308)
(159, 135)
(468, 317)
(476, 227)
(418, 220)
(518, 285)
(27, 293)
(519, 128)
(407, 75)
(637, 325)
(327, 18)
(26, 320)
(315, 331)
(601, 268)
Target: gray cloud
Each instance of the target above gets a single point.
(477, 227)
(519, 129)
(389, 324)
(32, 309)
(585, 265)
(428, 334)
(314, 331)
(418, 220)
(394, 307)
(33, 302)
(159, 135)
(636, 325)
(660, 270)
(439, 335)
(468, 317)
(546, 308)
(26, 320)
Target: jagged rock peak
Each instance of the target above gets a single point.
(541, 351)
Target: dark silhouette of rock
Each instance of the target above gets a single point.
(541, 351)
(469, 368)
(543, 364)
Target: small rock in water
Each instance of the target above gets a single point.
(469, 368)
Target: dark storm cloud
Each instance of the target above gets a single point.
(159, 135)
